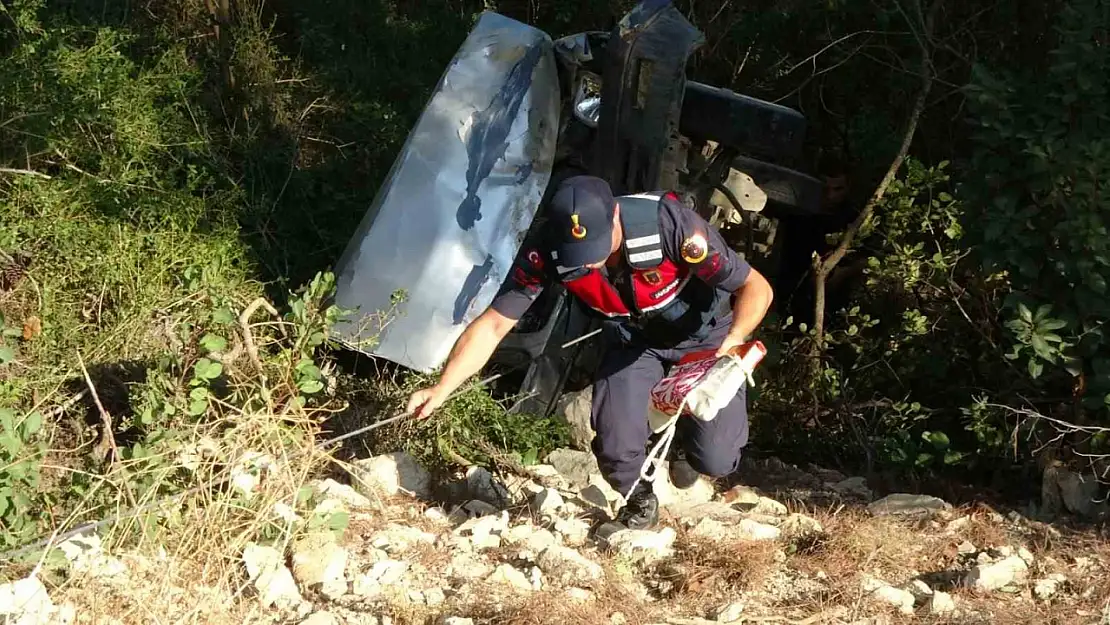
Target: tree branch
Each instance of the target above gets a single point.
(823, 267)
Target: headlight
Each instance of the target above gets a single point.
(587, 99)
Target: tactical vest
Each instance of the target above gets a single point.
(665, 304)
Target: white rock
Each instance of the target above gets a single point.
(467, 566)
(366, 586)
(321, 618)
(25, 602)
(484, 525)
(679, 499)
(86, 556)
(574, 409)
(920, 590)
(1047, 587)
(956, 525)
(272, 580)
(457, 620)
(573, 531)
(580, 594)
(753, 530)
(882, 591)
(643, 545)
(349, 496)
(396, 538)
(390, 474)
(941, 603)
(547, 502)
(966, 548)
(247, 471)
(511, 576)
(536, 577)
(1026, 555)
(388, 572)
(437, 514)
(729, 612)
(997, 575)
(567, 565)
(531, 538)
(319, 561)
(434, 596)
(801, 526)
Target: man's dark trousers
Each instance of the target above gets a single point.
(622, 391)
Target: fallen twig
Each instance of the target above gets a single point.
(25, 172)
(106, 420)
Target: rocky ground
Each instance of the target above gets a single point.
(807, 546)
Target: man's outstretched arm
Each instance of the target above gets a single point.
(471, 352)
(476, 344)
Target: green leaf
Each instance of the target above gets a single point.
(1043, 349)
(6, 354)
(11, 444)
(197, 407)
(1025, 314)
(31, 424)
(207, 369)
(223, 316)
(937, 439)
(338, 520)
(213, 343)
(1052, 324)
(310, 386)
(953, 457)
(199, 394)
(1035, 368)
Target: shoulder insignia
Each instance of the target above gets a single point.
(695, 249)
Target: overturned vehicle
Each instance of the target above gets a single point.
(516, 112)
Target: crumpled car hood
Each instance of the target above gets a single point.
(450, 216)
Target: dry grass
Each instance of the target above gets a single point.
(855, 542)
(188, 566)
(702, 566)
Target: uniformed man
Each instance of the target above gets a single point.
(668, 283)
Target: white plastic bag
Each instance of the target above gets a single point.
(702, 384)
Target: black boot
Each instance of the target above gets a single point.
(682, 474)
(641, 510)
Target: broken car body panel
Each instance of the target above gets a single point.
(450, 216)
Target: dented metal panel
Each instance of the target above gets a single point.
(450, 216)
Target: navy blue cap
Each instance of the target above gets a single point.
(581, 221)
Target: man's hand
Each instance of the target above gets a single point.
(423, 402)
(732, 339)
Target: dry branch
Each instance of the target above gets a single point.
(108, 436)
(25, 172)
(248, 337)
